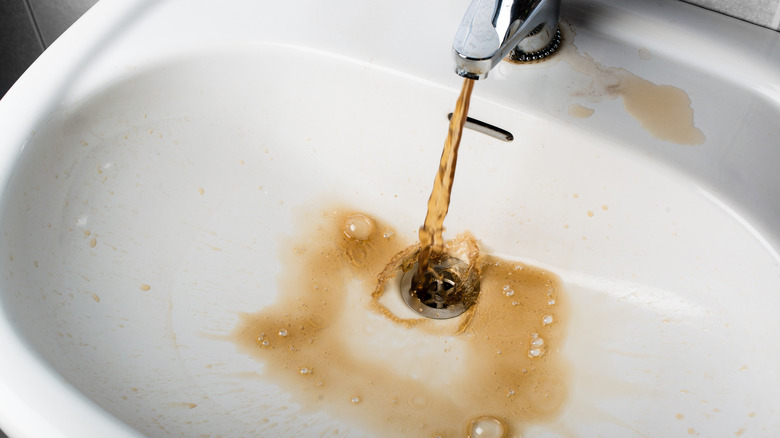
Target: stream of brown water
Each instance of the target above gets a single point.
(431, 241)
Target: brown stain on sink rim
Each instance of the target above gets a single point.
(664, 111)
(324, 342)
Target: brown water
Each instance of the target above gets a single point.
(431, 241)
(339, 338)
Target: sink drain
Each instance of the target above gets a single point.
(447, 290)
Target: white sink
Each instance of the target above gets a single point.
(161, 156)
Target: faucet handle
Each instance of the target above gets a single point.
(491, 29)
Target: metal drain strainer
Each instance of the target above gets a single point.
(448, 289)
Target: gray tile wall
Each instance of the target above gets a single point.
(20, 43)
(56, 16)
(27, 27)
(762, 12)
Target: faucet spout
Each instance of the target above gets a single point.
(491, 29)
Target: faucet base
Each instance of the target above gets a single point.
(520, 55)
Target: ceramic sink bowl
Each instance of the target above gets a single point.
(160, 156)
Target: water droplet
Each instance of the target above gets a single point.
(510, 393)
(387, 234)
(551, 302)
(548, 319)
(515, 303)
(261, 336)
(265, 343)
(508, 291)
(305, 370)
(355, 400)
(518, 267)
(358, 226)
(538, 342)
(498, 352)
(418, 401)
(486, 427)
(535, 352)
(282, 332)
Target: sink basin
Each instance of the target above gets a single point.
(162, 160)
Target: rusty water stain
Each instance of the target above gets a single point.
(337, 339)
(664, 111)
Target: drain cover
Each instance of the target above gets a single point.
(449, 290)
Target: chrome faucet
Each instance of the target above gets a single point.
(527, 30)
